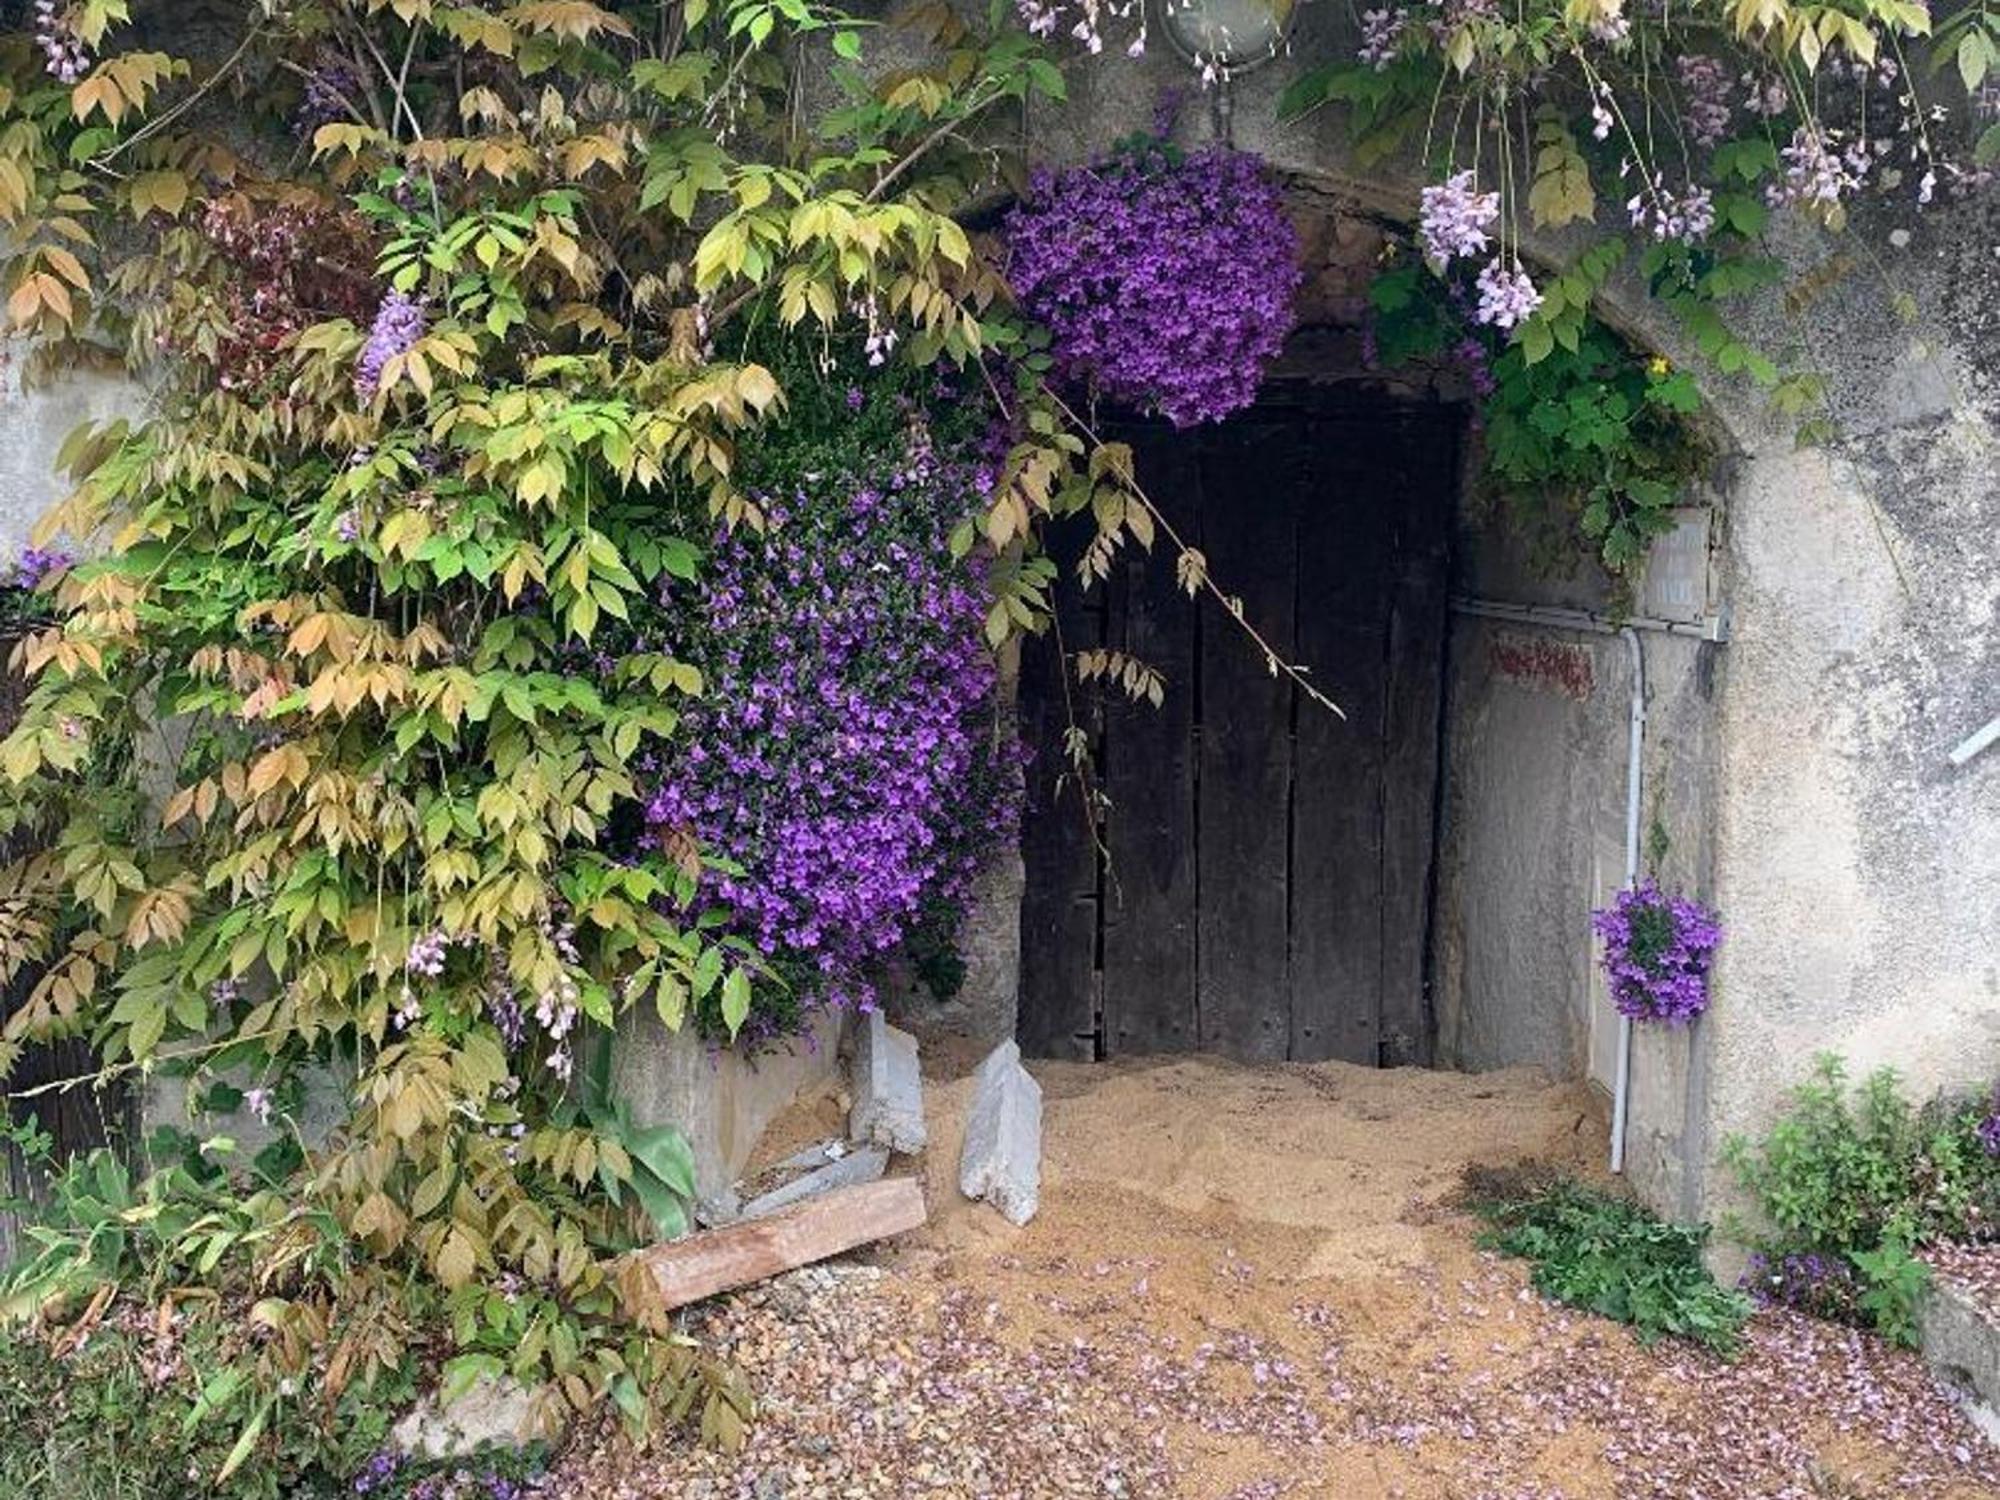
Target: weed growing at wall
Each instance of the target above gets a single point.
(1851, 1183)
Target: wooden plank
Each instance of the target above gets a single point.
(714, 1261)
(1149, 883)
(1245, 764)
(1415, 696)
(1345, 549)
(1059, 915)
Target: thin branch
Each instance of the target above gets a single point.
(154, 127)
(1232, 606)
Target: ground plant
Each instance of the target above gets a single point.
(1851, 1183)
(1605, 1253)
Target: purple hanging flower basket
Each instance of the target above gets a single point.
(1657, 953)
(1165, 278)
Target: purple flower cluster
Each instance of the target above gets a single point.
(1453, 219)
(1083, 19)
(1705, 104)
(1506, 298)
(1382, 36)
(1687, 216)
(63, 51)
(833, 769)
(1988, 1129)
(325, 98)
(1821, 1285)
(399, 323)
(34, 565)
(388, 1474)
(1657, 953)
(1165, 281)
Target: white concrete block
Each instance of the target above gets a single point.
(1003, 1137)
(888, 1087)
(846, 1171)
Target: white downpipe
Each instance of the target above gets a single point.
(1621, 1093)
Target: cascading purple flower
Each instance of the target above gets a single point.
(1658, 950)
(399, 323)
(1506, 298)
(1453, 218)
(1705, 101)
(1165, 281)
(835, 769)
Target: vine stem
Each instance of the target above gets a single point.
(154, 127)
(1231, 605)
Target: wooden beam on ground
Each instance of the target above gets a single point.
(720, 1260)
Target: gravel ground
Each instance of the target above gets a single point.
(1151, 1334)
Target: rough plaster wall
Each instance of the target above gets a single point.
(34, 423)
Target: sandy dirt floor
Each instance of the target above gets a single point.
(1247, 1284)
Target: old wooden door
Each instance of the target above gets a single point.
(1257, 879)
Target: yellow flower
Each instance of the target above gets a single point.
(1658, 366)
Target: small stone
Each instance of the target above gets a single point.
(495, 1411)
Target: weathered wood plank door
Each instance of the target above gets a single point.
(1247, 873)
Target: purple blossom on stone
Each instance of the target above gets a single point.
(1453, 219)
(260, 1104)
(1687, 216)
(36, 564)
(399, 323)
(1817, 173)
(1658, 950)
(1507, 298)
(1165, 281)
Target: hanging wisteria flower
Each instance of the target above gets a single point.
(1705, 88)
(327, 94)
(1506, 298)
(63, 51)
(1166, 281)
(1657, 953)
(1686, 216)
(1817, 173)
(1453, 217)
(1381, 35)
(399, 323)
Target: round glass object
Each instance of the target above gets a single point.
(1228, 34)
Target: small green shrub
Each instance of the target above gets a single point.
(1850, 1183)
(1611, 1256)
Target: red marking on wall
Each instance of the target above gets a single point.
(1545, 665)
